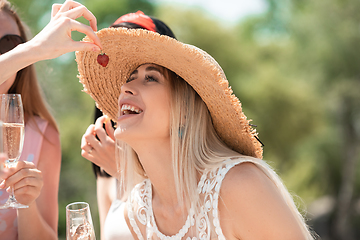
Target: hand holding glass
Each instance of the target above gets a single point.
(12, 117)
(79, 224)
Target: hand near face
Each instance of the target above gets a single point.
(98, 145)
(55, 39)
(25, 179)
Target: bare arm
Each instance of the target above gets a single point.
(53, 41)
(105, 196)
(251, 207)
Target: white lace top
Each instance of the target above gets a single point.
(204, 224)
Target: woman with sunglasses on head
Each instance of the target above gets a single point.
(35, 179)
(190, 163)
(111, 203)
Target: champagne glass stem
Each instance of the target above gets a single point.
(12, 195)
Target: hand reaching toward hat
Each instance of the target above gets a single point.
(98, 145)
(54, 40)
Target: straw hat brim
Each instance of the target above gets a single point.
(129, 48)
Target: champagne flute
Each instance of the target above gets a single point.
(12, 117)
(79, 224)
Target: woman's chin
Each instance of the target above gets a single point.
(125, 134)
(119, 133)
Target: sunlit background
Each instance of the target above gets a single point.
(295, 66)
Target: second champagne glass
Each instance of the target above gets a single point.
(12, 117)
(79, 224)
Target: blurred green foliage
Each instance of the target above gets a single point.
(295, 69)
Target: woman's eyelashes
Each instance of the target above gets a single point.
(148, 78)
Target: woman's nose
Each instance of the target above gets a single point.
(128, 88)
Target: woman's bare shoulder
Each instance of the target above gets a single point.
(245, 176)
(250, 201)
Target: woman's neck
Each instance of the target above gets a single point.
(156, 159)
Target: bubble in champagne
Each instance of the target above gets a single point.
(13, 139)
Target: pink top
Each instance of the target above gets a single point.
(31, 153)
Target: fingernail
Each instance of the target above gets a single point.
(2, 184)
(96, 49)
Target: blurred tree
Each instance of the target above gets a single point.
(326, 39)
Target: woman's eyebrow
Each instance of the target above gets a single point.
(152, 68)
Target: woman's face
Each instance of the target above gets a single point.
(7, 26)
(144, 106)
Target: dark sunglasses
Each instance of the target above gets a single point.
(9, 42)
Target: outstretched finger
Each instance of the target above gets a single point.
(81, 11)
(85, 46)
(55, 9)
(67, 5)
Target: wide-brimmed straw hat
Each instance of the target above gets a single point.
(127, 49)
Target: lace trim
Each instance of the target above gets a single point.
(131, 214)
(209, 186)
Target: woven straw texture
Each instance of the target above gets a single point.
(129, 48)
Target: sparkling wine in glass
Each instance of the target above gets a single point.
(12, 118)
(79, 224)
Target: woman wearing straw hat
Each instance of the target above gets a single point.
(111, 203)
(189, 161)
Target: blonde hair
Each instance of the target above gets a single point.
(196, 148)
(26, 82)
